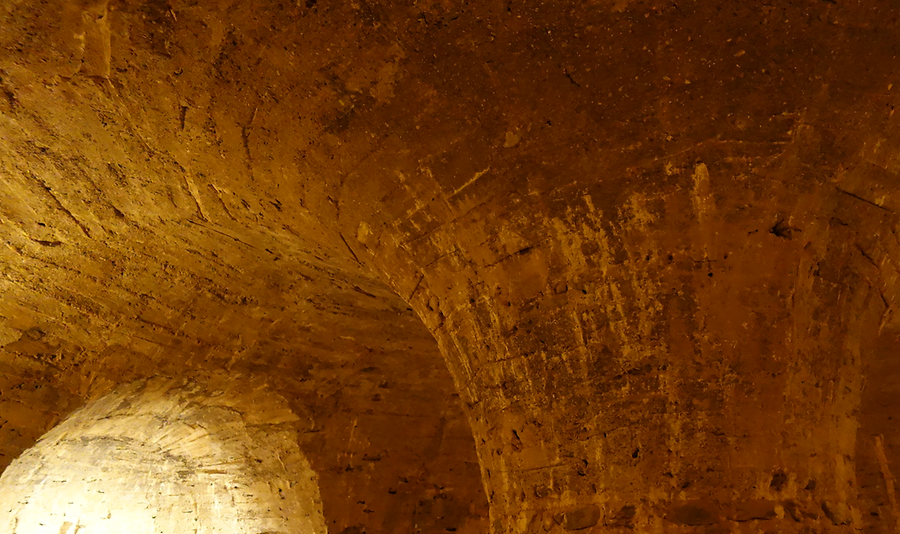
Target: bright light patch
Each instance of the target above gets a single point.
(162, 457)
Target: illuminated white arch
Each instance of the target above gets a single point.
(166, 456)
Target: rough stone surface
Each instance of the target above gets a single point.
(656, 244)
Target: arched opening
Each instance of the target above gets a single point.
(165, 456)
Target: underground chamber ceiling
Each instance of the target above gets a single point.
(514, 267)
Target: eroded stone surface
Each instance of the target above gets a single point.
(655, 242)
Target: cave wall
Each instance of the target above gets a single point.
(655, 243)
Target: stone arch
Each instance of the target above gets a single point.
(167, 455)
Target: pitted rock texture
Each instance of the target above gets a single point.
(655, 243)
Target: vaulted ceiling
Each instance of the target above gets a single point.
(523, 266)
